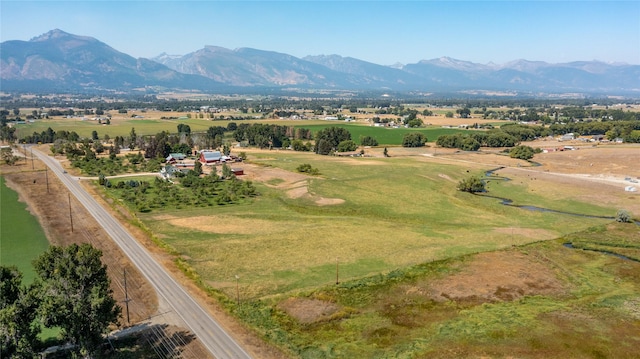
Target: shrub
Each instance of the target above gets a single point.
(347, 146)
(472, 185)
(368, 141)
(522, 152)
(306, 168)
(623, 216)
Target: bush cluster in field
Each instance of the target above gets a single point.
(191, 191)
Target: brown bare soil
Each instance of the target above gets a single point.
(497, 276)
(615, 161)
(295, 184)
(307, 311)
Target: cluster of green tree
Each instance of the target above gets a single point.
(49, 136)
(473, 141)
(368, 141)
(299, 145)
(627, 130)
(525, 132)
(328, 139)
(414, 139)
(7, 156)
(71, 292)
(113, 165)
(269, 135)
(191, 190)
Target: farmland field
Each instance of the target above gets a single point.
(385, 135)
(390, 214)
(21, 238)
(383, 257)
(423, 269)
(156, 121)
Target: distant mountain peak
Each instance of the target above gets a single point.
(59, 60)
(165, 56)
(59, 34)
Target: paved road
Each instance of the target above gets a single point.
(214, 338)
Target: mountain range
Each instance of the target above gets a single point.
(61, 62)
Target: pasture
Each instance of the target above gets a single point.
(392, 213)
(423, 269)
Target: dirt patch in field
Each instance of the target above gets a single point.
(307, 311)
(224, 224)
(618, 161)
(442, 175)
(497, 276)
(296, 185)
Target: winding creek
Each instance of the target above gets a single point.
(490, 175)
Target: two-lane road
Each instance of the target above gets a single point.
(212, 336)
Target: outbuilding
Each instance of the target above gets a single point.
(175, 157)
(210, 157)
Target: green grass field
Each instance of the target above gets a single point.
(122, 126)
(384, 135)
(151, 126)
(21, 238)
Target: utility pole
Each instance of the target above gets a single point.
(237, 289)
(126, 295)
(70, 214)
(46, 177)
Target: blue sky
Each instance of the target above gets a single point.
(382, 32)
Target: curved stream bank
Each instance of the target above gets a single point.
(570, 245)
(489, 175)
